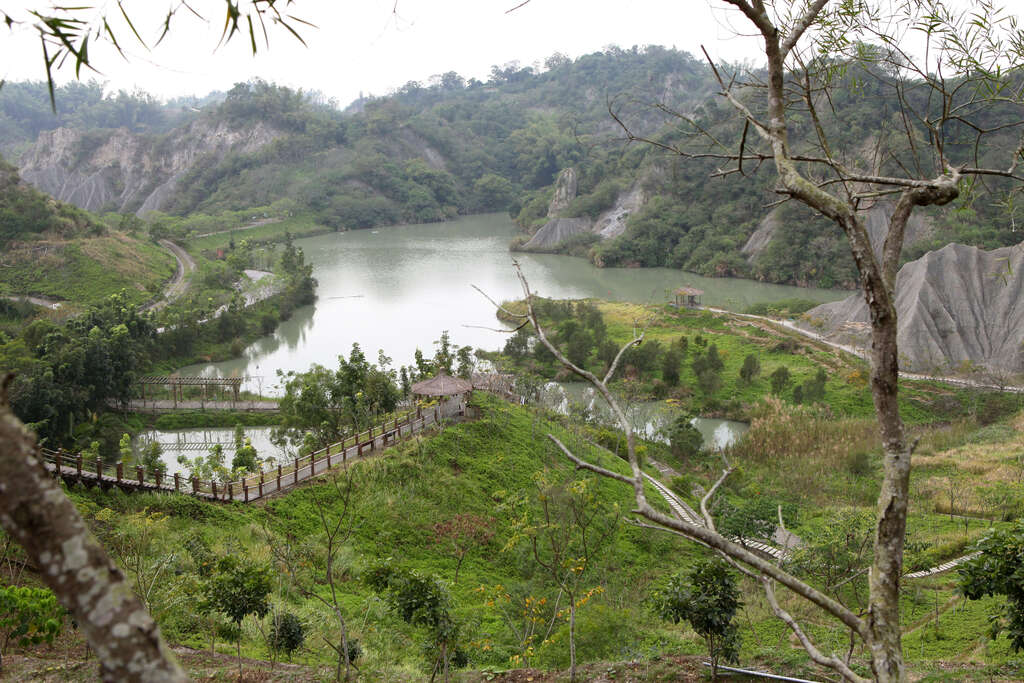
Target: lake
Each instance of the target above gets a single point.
(397, 288)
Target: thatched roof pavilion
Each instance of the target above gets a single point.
(442, 385)
(688, 296)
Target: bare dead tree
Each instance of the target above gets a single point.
(38, 516)
(334, 509)
(971, 61)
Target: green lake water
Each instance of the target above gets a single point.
(397, 288)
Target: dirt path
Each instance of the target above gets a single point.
(179, 284)
(790, 325)
(45, 302)
(250, 226)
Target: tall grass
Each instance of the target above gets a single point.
(810, 455)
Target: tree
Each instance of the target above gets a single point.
(780, 379)
(684, 439)
(245, 458)
(996, 571)
(239, 589)
(466, 362)
(421, 600)
(566, 531)
(336, 514)
(714, 361)
(461, 534)
(707, 598)
(749, 519)
(330, 404)
(922, 157)
(152, 459)
(751, 369)
(670, 363)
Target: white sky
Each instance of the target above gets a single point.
(363, 46)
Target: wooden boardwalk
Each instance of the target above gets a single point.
(164, 405)
(75, 469)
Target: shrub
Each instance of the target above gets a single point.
(286, 634)
(28, 616)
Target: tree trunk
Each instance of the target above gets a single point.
(572, 638)
(458, 566)
(344, 646)
(35, 512)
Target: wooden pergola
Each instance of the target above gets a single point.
(176, 383)
(688, 297)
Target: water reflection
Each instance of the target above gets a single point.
(196, 442)
(647, 418)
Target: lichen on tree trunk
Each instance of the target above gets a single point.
(37, 514)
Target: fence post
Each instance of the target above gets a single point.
(99, 469)
(278, 476)
(231, 491)
(140, 474)
(60, 461)
(195, 485)
(329, 454)
(120, 471)
(261, 484)
(213, 485)
(158, 477)
(245, 491)
(296, 470)
(359, 450)
(177, 482)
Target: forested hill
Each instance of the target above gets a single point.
(425, 153)
(26, 213)
(431, 151)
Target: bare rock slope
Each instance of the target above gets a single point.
(956, 304)
(610, 223)
(125, 171)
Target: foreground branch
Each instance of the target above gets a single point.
(37, 514)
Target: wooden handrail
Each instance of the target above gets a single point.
(388, 429)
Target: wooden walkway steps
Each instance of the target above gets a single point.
(688, 514)
(73, 468)
(924, 573)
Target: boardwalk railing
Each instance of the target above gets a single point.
(76, 467)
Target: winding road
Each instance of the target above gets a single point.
(179, 284)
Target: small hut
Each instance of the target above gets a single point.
(688, 297)
(451, 391)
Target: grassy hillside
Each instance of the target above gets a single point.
(86, 270)
(55, 250)
(490, 468)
